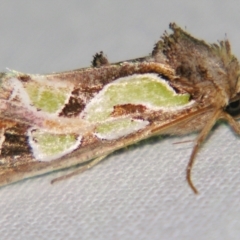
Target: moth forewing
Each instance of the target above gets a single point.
(56, 121)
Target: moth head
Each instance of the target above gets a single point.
(238, 84)
(233, 107)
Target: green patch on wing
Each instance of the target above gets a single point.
(145, 89)
(119, 127)
(49, 146)
(113, 125)
(47, 98)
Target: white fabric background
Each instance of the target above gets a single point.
(139, 192)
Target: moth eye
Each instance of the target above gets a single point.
(234, 108)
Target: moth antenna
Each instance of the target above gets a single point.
(201, 137)
(187, 141)
(80, 169)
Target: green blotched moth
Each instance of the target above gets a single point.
(55, 121)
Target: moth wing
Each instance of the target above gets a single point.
(17, 160)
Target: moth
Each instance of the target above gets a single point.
(55, 121)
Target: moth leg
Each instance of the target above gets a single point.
(201, 137)
(232, 122)
(80, 169)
